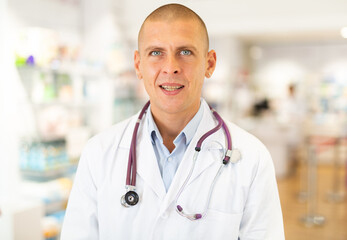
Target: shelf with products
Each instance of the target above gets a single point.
(43, 161)
(66, 104)
(326, 94)
(59, 100)
(63, 124)
(69, 99)
(60, 119)
(58, 86)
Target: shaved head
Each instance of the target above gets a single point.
(174, 12)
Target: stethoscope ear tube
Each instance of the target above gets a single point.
(197, 216)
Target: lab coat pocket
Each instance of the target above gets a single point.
(219, 225)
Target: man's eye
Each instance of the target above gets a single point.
(155, 53)
(186, 52)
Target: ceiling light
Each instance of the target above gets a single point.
(344, 32)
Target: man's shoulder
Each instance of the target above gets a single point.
(245, 141)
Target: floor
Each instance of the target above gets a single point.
(294, 208)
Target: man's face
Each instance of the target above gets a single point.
(173, 62)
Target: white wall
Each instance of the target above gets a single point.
(249, 17)
(54, 14)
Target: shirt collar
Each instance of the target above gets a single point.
(187, 133)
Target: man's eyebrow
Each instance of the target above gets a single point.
(152, 48)
(157, 48)
(189, 47)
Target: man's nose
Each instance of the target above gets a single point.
(172, 65)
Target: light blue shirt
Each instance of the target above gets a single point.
(169, 162)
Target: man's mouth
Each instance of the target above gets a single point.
(171, 88)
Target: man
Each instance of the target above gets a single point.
(172, 60)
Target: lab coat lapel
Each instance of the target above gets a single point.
(147, 165)
(204, 160)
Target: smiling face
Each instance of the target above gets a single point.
(173, 61)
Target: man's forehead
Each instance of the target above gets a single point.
(188, 23)
(154, 28)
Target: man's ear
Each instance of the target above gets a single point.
(211, 63)
(137, 64)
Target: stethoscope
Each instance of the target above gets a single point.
(131, 198)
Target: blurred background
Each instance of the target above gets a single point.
(66, 73)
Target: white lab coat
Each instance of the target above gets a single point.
(244, 204)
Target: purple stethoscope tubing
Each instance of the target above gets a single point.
(131, 197)
(132, 153)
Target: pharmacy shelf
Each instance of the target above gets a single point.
(65, 170)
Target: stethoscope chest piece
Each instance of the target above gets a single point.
(131, 198)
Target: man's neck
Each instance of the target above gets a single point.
(170, 125)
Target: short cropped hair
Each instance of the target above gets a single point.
(171, 12)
